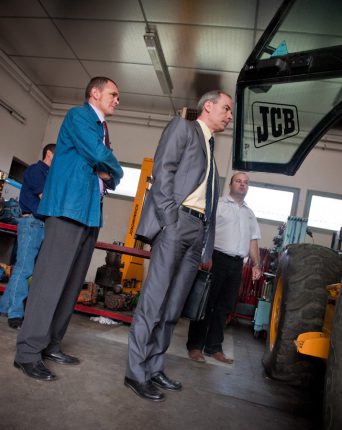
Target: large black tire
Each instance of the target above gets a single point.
(303, 273)
(333, 376)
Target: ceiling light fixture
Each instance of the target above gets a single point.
(158, 60)
(12, 111)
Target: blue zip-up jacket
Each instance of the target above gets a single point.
(33, 185)
(72, 186)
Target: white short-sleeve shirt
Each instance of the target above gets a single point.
(236, 226)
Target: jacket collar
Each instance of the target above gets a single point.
(92, 112)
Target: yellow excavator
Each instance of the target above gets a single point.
(276, 127)
(316, 343)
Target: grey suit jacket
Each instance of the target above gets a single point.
(180, 165)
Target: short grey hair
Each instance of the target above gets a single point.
(210, 96)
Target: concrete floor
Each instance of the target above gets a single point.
(92, 396)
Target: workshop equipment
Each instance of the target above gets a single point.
(9, 209)
(88, 294)
(316, 344)
(133, 267)
(263, 309)
(108, 277)
(121, 277)
(3, 177)
(295, 231)
(250, 291)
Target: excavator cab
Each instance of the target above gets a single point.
(289, 92)
(288, 97)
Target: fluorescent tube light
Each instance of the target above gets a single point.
(158, 60)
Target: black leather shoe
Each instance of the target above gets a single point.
(146, 390)
(162, 381)
(37, 370)
(60, 357)
(15, 322)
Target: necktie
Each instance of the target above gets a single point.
(106, 134)
(209, 192)
(107, 145)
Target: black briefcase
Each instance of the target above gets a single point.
(196, 303)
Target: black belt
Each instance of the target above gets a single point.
(235, 257)
(192, 212)
(232, 257)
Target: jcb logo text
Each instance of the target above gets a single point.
(273, 122)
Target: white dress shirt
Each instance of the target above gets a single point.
(196, 200)
(236, 226)
(101, 118)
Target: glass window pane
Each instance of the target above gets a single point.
(129, 183)
(319, 23)
(325, 212)
(270, 204)
(277, 118)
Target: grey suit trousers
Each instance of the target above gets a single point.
(176, 255)
(58, 277)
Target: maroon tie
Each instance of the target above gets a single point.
(106, 134)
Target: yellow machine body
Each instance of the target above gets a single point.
(133, 267)
(317, 343)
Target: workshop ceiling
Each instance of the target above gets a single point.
(60, 44)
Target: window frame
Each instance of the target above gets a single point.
(112, 195)
(295, 201)
(308, 200)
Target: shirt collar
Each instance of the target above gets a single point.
(98, 113)
(205, 129)
(230, 199)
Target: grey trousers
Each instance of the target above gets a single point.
(176, 255)
(58, 277)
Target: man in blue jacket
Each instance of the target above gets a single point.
(83, 168)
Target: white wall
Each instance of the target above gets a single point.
(16, 139)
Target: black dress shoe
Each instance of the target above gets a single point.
(162, 381)
(15, 322)
(60, 357)
(37, 370)
(146, 390)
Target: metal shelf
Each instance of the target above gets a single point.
(94, 309)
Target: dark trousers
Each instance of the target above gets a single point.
(207, 334)
(58, 277)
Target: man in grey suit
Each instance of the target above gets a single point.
(178, 219)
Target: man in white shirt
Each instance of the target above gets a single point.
(236, 237)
